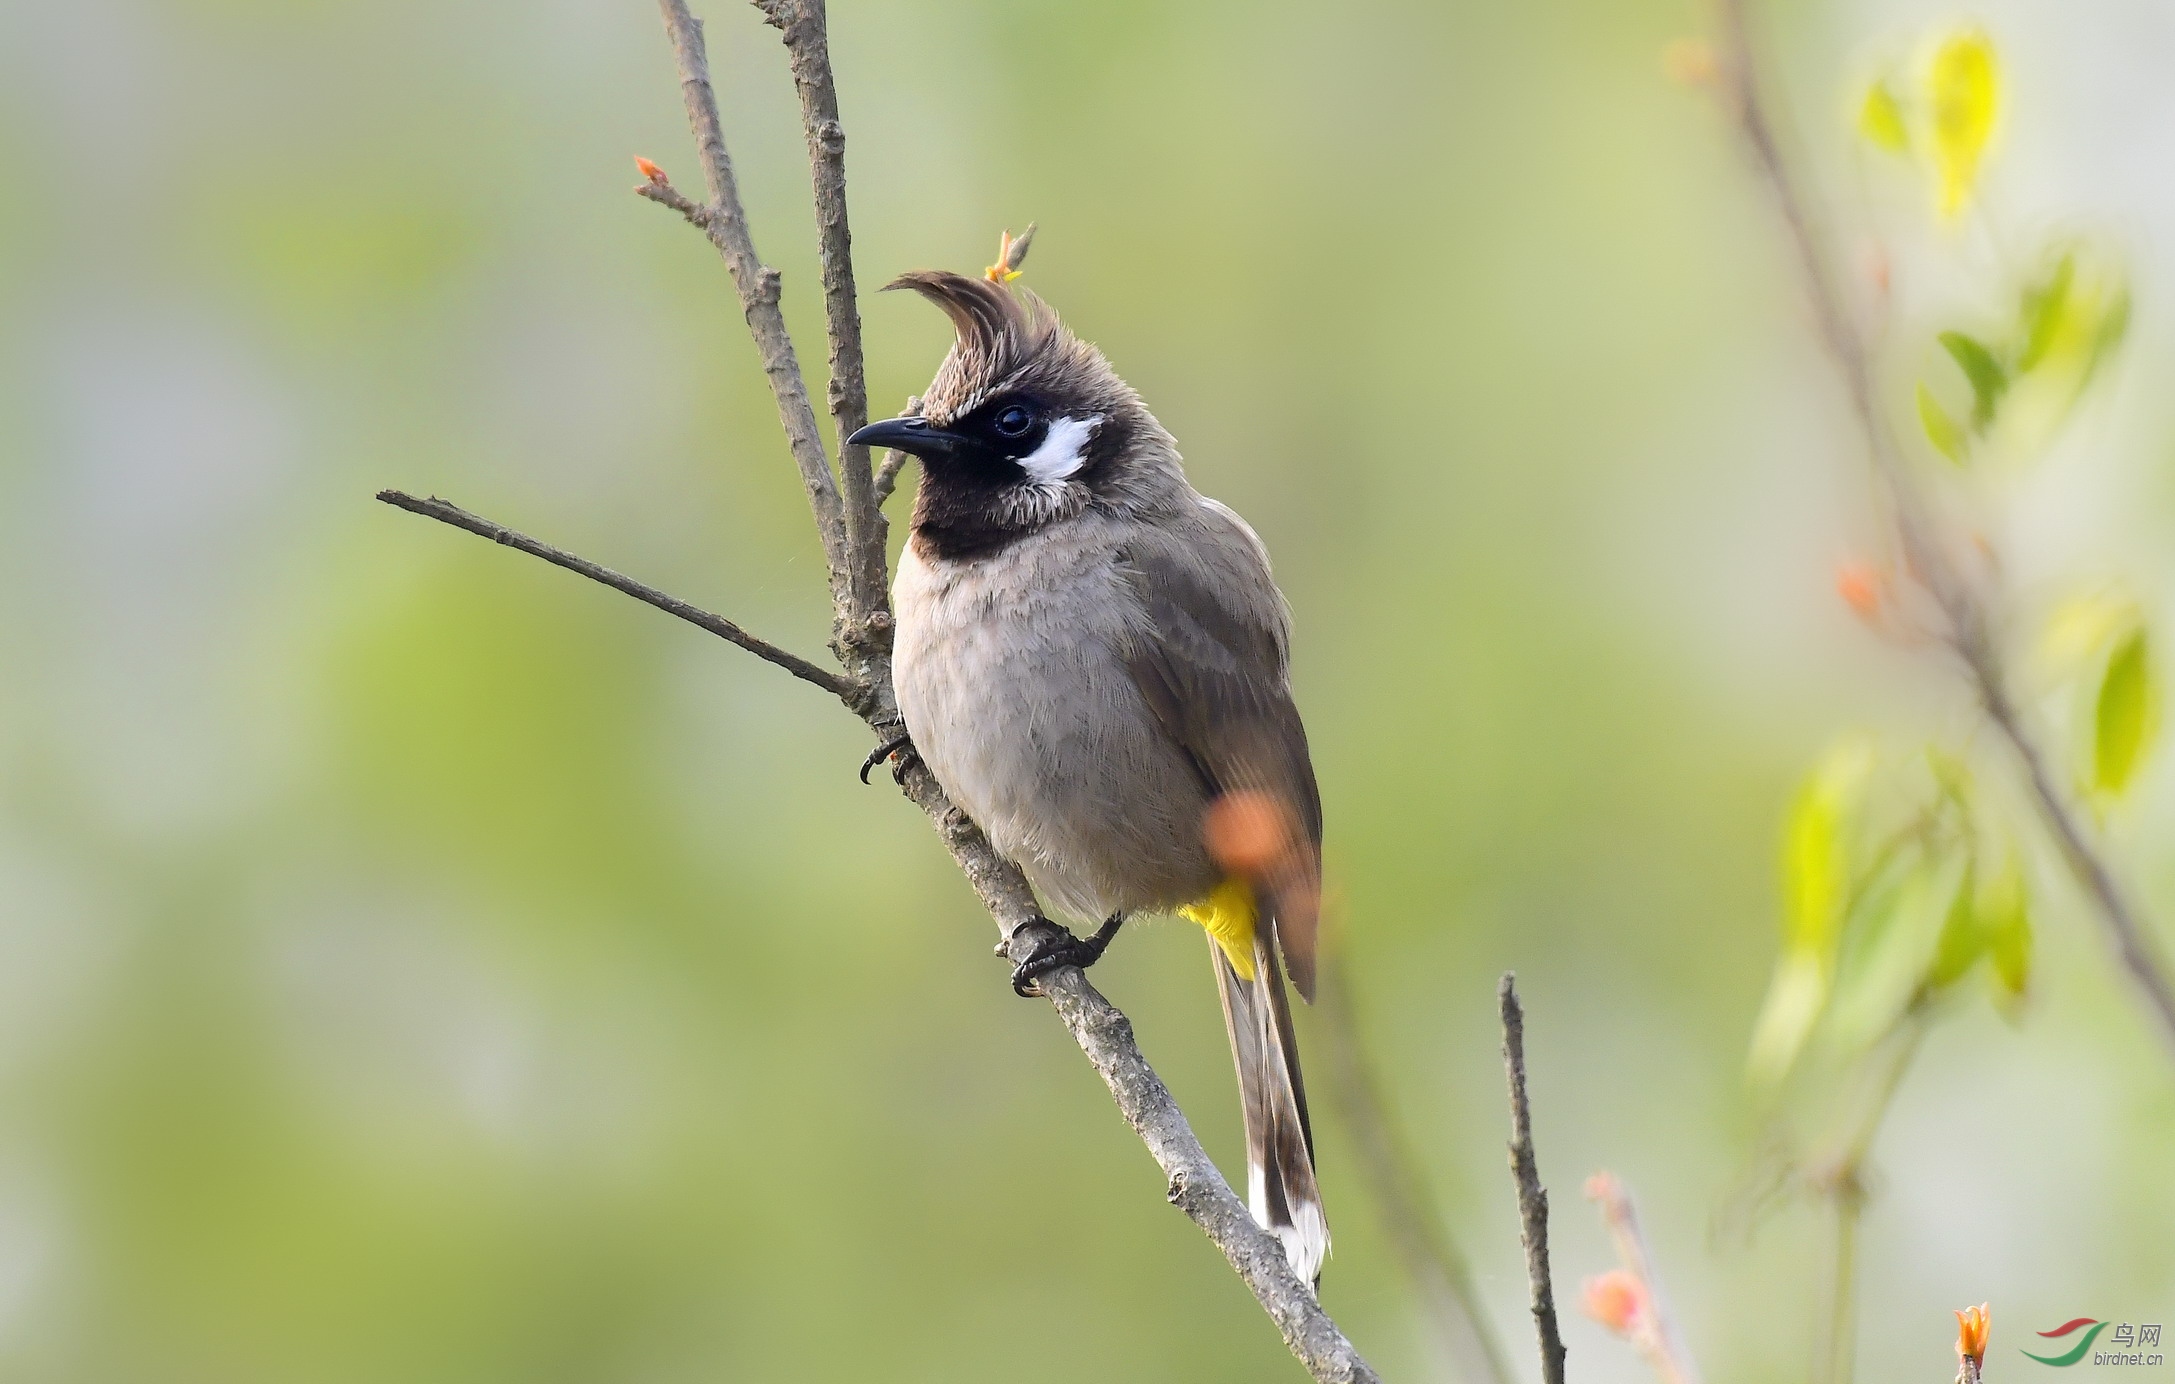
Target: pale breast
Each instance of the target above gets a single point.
(1011, 679)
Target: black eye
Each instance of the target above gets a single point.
(1014, 421)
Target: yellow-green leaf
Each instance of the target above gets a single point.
(1988, 379)
(1880, 119)
(1815, 856)
(2114, 324)
(1893, 943)
(1786, 1020)
(1941, 430)
(2044, 306)
(2004, 909)
(1963, 87)
(1964, 939)
(1815, 887)
(2081, 626)
(2123, 717)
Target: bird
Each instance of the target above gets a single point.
(1093, 660)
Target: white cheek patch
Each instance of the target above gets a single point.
(1063, 449)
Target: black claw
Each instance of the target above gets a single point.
(902, 745)
(1063, 950)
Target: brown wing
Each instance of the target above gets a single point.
(1213, 666)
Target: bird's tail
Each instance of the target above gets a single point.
(1280, 1185)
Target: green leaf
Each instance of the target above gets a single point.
(1893, 949)
(1988, 380)
(1815, 855)
(1941, 430)
(2123, 718)
(2044, 305)
(1794, 1000)
(1964, 939)
(1880, 119)
(2114, 324)
(1815, 887)
(2004, 909)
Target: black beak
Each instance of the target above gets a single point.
(913, 436)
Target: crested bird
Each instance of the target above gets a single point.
(1092, 658)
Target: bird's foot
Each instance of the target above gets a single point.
(901, 746)
(1063, 950)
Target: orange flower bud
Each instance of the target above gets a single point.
(651, 171)
(1972, 1324)
(1617, 1300)
(1859, 584)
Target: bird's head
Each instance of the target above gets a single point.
(1024, 425)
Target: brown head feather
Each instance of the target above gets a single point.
(999, 334)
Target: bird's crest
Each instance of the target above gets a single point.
(1000, 332)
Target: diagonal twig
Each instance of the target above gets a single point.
(808, 49)
(1970, 631)
(887, 472)
(447, 513)
(726, 223)
(1532, 1197)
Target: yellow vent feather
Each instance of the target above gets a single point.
(1228, 916)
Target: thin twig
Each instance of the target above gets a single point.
(1657, 1337)
(1838, 1176)
(1835, 1355)
(1423, 1244)
(1532, 1197)
(447, 513)
(1971, 631)
(887, 472)
(659, 189)
(804, 26)
(726, 223)
(1195, 1185)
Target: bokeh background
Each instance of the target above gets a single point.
(417, 964)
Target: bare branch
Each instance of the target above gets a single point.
(446, 513)
(1532, 1197)
(1431, 1258)
(661, 191)
(1971, 630)
(726, 223)
(887, 474)
(2126, 926)
(1196, 1187)
(1656, 1335)
(808, 49)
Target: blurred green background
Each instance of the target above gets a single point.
(418, 964)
